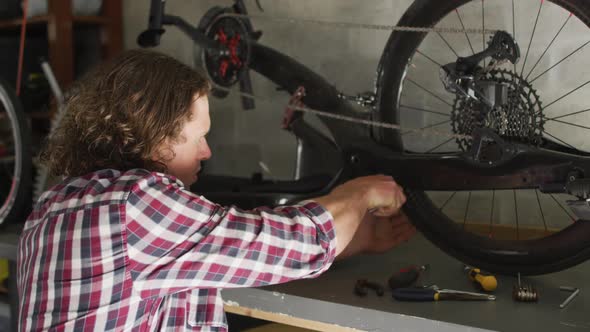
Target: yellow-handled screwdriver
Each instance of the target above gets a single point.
(487, 282)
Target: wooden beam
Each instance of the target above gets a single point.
(60, 40)
(112, 31)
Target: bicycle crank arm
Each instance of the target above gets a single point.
(529, 169)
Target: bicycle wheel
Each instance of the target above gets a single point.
(15, 156)
(504, 231)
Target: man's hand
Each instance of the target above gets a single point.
(379, 234)
(350, 202)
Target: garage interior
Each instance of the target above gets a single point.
(534, 97)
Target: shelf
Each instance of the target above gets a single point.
(17, 22)
(43, 19)
(99, 20)
(59, 26)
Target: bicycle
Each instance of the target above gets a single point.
(15, 156)
(497, 137)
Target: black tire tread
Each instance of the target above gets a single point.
(21, 203)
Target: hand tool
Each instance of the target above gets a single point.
(362, 285)
(575, 293)
(433, 294)
(406, 276)
(524, 292)
(486, 281)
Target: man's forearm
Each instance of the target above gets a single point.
(347, 215)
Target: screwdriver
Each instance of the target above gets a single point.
(487, 282)
(429, 294)
(405, 276)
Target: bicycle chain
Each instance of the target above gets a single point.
(369, 27)
(364, 25)
(352, 119)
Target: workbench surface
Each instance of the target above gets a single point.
(329, 302)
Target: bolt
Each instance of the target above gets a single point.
(360, 288)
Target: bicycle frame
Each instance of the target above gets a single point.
(521, 166)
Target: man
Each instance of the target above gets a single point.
(122, 244)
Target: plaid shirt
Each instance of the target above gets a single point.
(136, 251)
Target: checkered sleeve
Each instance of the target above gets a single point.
(178, 240)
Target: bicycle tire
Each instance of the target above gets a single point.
(15, 204)
(556, 252)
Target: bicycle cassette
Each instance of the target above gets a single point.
(225, 68)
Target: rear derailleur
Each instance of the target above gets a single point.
(464, 77)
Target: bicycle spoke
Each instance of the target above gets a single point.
(559, 62)
(568, 123)
(463, 26)
(562, 141)
(441, 144)
(466, 210)
(483, 27)
(430, 92)
(513, 30)
(449, 45)
(569, 114)
(563, 208)
(548, 46)
(492, 212)
(532, 35)
(516, 214)
(565, 95)
(424, 110)
(448, 200)
(429, 58)
(541, 209)
(429, 126)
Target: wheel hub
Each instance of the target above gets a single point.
(225, 68)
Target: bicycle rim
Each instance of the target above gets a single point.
(491, 229)
(15, 158)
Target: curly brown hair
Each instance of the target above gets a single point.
(120, 112)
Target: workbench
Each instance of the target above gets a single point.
(328, 302)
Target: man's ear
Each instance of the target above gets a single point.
(163, 153)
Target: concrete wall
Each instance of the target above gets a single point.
(348, 57)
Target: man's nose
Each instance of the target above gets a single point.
(205, 152)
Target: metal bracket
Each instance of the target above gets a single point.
(581, 208)
(294, 102)
(365, 99)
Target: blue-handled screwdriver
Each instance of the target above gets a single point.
(429, 294)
